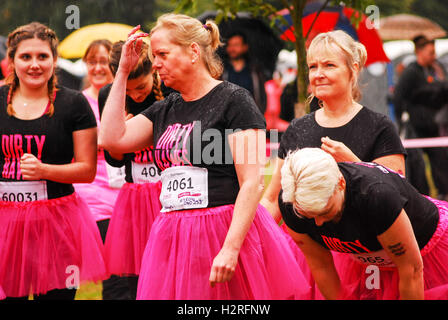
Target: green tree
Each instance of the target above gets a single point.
(14, 13)
(266, 8)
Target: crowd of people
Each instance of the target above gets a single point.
(151, 179)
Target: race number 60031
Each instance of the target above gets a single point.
(19, 196)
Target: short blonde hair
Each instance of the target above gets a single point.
(185, 30)
(353, 51)
(309, 177)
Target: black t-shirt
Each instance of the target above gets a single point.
(374, 198)
(369, 135)
(243, 78)
(49, 138)
(179, 126)
(142, 156)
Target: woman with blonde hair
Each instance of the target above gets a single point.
(342, 127)
(372, 215)
(211, 240)
(49, 242)
(138, 202)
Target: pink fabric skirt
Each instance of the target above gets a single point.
(135, 211)
(435, 261)
(98, 195)
(181, 248)
(2, 294)
(48, 244)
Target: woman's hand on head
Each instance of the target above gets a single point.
(131, 50)
(338, 150)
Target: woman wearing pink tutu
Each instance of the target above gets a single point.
(98, 75)
(138, 201)
(49, 242)
(341, 126)
(2, 294)
(395, 236)
(211, 240)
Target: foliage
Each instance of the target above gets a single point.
(265, 8)
(14, 13)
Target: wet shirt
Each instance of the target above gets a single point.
(141, 158)
(369, 135)
(374, 198)
(48, 138)
(195, 134)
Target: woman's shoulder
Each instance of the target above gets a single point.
(369, 116)
(302, 122)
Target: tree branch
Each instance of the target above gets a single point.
(315, 18)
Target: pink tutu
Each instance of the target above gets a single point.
(48, 244)
(435, 257)
(135, 210)
(98, 195)
(181, 248)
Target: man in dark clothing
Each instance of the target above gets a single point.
(421, 91)
(241, 71)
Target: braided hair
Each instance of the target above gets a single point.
(30, 31)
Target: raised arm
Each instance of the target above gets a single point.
(116, 134)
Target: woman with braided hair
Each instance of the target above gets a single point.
(138, 202)
(49, 241)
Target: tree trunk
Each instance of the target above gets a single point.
(302, 83)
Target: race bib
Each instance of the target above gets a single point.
(378, 258)
(145, 172)
(23, 191)
(184, 187)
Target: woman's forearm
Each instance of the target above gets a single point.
(328, 282)
(113, 118)
(75, 172)
(244, 212)
(411, 285)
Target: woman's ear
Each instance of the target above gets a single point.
(195, 52)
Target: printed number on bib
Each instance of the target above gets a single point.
(25, 191)
(184, 188)
(378, 258)
(145, 172)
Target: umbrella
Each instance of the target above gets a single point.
(75, 44)
(264, 44)
(336, 18)
(407, 26)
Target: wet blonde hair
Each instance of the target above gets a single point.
(186, 30)
(353, 52)
(309, 177)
